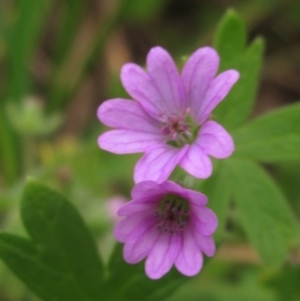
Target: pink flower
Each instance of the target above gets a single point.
(169, 225)
(170, 117)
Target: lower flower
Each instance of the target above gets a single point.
(167, 224)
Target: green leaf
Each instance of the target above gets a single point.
(285, 282)
(133, 284)
(61, 262)
(230, 44)
(218, 190)
(288, 176)
(23, 257)
(272, 137)
(267, 218)
(230, 40)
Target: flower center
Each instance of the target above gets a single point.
(172, 214)
(179, 129)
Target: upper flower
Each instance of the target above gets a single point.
(169, 225)
(170, 117)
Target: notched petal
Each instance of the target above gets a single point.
(215, 140)
(196, 162)
(140, 87)
(133, 226)
(136, 250)
(146, 188)
(198, 72)
(216, 92)
(166, 78)
(205, 243)
(158, 163)
(189, 260)
(162, 255)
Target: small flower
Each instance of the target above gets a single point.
(169, 225)
(170, 119)
(113, 205)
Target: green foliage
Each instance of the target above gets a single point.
(61, 260)
(286, 283)
(242, 283)
(230, 39)
(230, 44)
(266, 216)
(218, 189)
(272, 137)
(288, 177)
(264, 211)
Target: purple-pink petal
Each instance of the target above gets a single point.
(216, 92)
(147, 188)
(136, 250)
(158, 163)
(215, 140)
(205, 243)
(127, 114)
(189, 260)
(206, 215)
(204, 219)
(196, 162)
(142, 88)
(127, 141)
(132, 226)
(133, 207)
(166, 78)
(174, 188)
(197, 74)
(204, 227)
(196, 198)
(162, 255)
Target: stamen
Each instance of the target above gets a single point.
(178, 129)
(172, 214)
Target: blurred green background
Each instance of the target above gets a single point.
(60, 59)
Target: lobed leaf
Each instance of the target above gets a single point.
(230, 44)
(267, 218)
(61, 263)
(230, 40)
(272, 137)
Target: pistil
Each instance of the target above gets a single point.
(178, 129)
